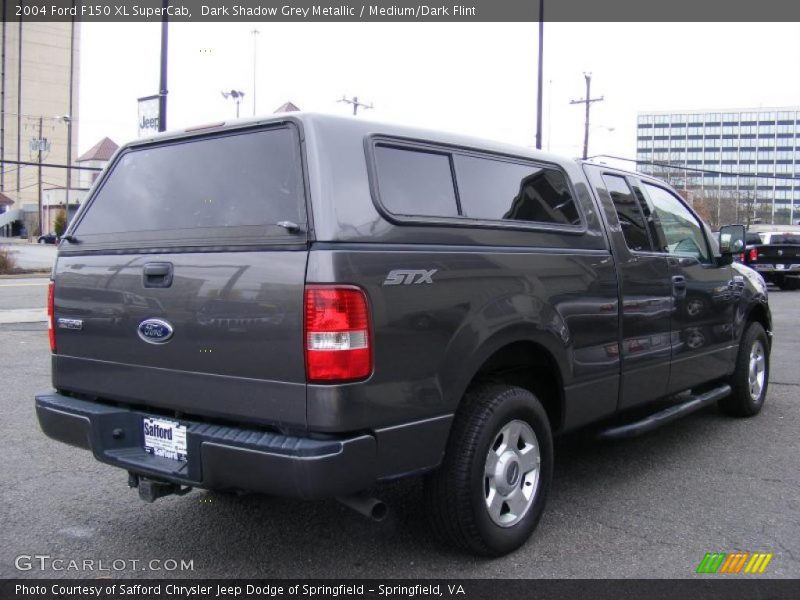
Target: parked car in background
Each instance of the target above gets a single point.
(775, 255)
(752, 238)
(48, 238)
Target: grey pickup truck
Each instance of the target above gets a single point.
(308, 306)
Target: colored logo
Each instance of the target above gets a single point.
(155, 331)
(733, 563)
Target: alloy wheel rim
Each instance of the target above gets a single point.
(511, 473)
(757, 370)
(694, 308)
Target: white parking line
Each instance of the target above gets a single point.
(2, 285)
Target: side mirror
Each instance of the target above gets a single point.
(731, 239)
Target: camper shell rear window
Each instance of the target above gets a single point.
(229, 188)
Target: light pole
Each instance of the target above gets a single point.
(540, 78)
(162, 93)
(604, 129)
(255, 33)
(237, 96)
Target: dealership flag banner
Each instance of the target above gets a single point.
(148, 116)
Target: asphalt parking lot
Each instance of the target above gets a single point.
(647, 507)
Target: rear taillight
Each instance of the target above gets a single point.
(337, 333)
(51, 329)
(752, 256)
(741, 257)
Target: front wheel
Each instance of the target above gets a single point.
(489, 493)
(750, 380)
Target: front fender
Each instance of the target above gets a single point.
(753, 301)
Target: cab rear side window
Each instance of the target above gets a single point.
(629, 213)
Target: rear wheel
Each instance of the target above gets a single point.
(491, 489)
(790, 283)
(750, 380)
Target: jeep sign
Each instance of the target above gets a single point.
(148, 116)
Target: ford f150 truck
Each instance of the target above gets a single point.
(310, 305)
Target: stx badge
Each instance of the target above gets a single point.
(409, 277)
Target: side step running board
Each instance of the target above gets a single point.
(667, 415)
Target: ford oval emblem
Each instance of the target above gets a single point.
(155, 331)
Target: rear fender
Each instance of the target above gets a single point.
(457, 374)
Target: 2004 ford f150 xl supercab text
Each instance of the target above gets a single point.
(309, 305)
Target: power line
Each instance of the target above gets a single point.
(11, 169)
(36, 184)
(25, 163)
(697, 169)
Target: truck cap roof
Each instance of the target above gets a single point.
(361, 126)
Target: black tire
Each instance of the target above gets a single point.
(455, 494)
(741, 402)
(790, 283)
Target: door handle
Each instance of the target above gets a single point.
(157, 275)
(678, 283)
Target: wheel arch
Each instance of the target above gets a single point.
(759, 313)
(530, 361)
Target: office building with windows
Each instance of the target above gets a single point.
(738, 165)
(39, 76)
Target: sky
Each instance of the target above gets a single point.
(472, 78)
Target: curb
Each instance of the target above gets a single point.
(22, 315)
(26, 274)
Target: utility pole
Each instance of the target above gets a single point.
(39, 160)
(549, 113)
(162, 93)
(356, 104)
(541, 70)
(68, 120)
(255, 33)
(587, 101)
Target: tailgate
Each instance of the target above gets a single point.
(784, 254)
(183, 291)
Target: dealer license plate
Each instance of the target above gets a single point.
(164, 438)
(780, 267)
